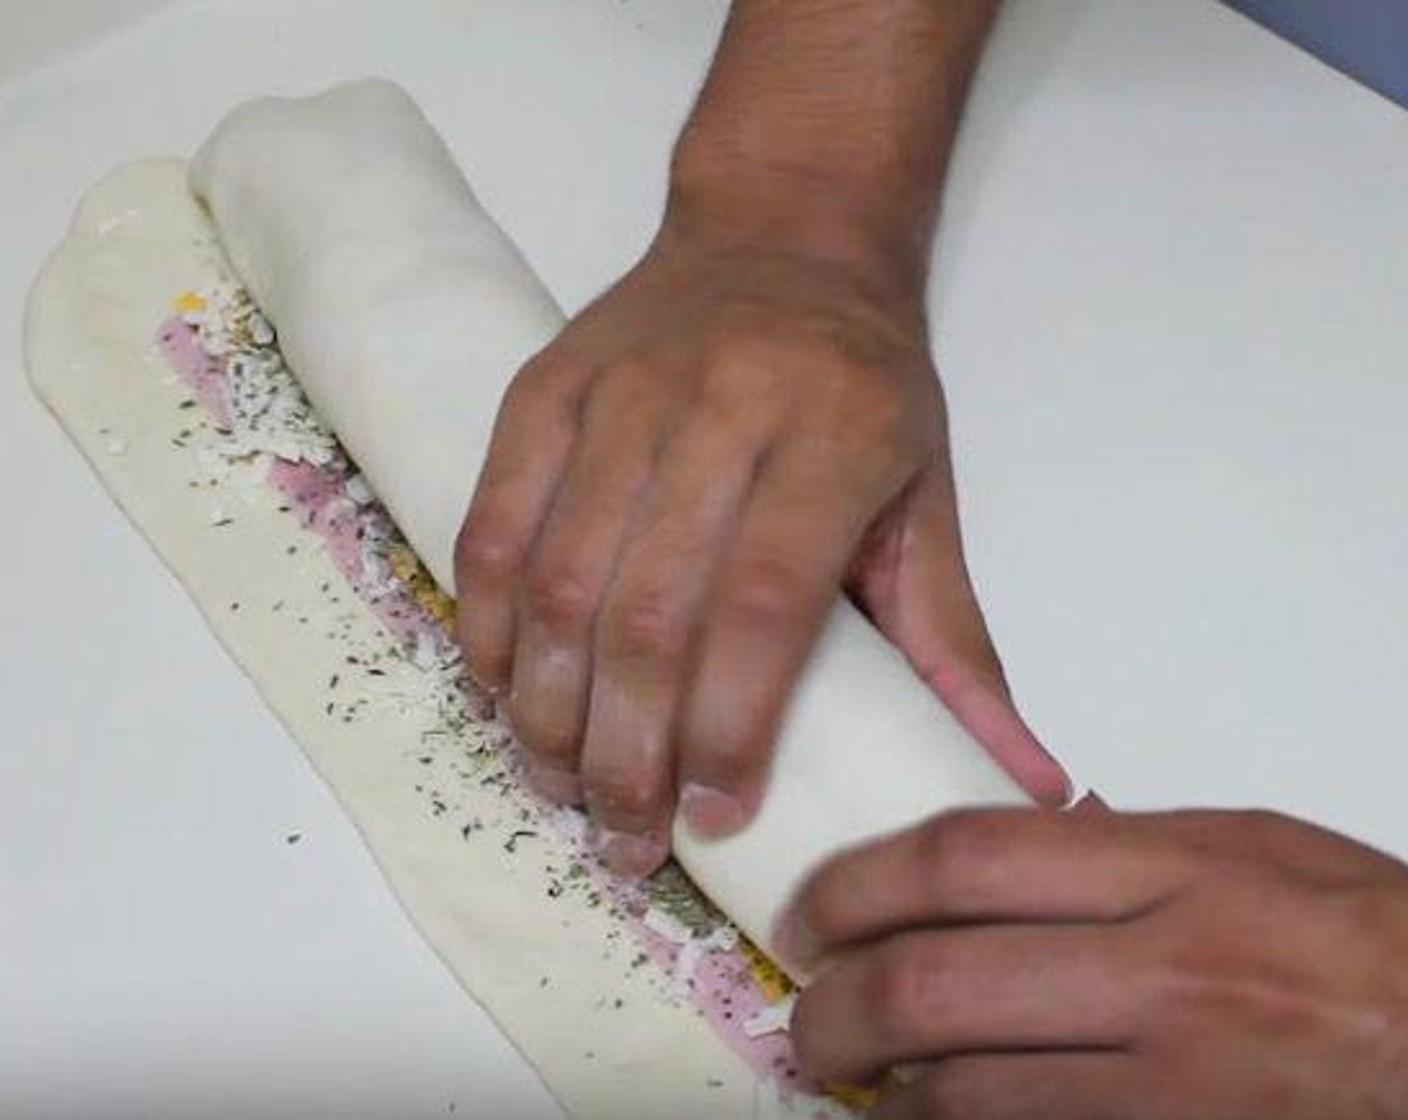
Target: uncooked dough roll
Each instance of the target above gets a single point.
(405, 312)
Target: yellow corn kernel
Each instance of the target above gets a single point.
(855, 1096)
(404, 564)
(771, 980)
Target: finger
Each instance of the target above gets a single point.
(920, 996)
(533, 434)
(1260, 835)
(644, 635)
(772, 592)
(567, 574)
(915, 585)
(990, 865)
(1052, 1086)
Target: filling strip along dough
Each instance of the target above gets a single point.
(405, 311)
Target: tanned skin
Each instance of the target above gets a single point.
(749, 424)
(680, 486)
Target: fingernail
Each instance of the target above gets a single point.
(630, 854)
(710, 811)
(561, 786)
(1092, 802)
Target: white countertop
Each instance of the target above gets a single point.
(1171, 307)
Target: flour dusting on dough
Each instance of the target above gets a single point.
(258, 435)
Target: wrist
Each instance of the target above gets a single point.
(805, 212)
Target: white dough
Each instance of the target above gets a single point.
(138, 241)
(405, 312)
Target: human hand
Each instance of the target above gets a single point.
(1175, 966)
(677, 489)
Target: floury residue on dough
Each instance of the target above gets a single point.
(273, 594)
(406, 311)
(256, 412)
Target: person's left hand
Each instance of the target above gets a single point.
(1179, 966)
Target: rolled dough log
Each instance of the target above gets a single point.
(534, 945)
(405, 312)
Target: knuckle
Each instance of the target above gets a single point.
(545, 396)
(723, 393)
(737, 361)
(634, 373)
(727, 425)
(542, 372)
(559, 597)
(768, 590)
(627, 397)
(645, 623)
(525, 387)
(487, 547)
(524, 397)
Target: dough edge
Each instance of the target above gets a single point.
(89, 355)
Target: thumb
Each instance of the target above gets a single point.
(910, 577)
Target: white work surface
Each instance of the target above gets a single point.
(1172, 310)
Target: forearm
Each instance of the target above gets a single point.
(829, 122)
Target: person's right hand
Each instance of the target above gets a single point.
(1196, 965)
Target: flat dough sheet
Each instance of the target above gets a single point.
(550, 970)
